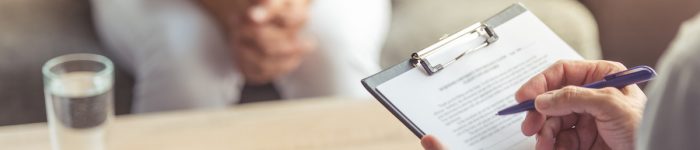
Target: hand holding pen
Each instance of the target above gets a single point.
(573, 117)
(620, 79)
(576, 117)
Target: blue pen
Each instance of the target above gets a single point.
(621, 79)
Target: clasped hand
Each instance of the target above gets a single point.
(265, 36)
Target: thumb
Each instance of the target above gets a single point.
(265, 10)
(429, 142)
(571, 99)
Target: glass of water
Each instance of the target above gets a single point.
(78, 90)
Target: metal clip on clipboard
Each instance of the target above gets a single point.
(432, 59)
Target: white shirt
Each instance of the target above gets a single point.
(672, 116)
(180, 60)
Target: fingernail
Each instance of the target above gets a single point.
(258, 14)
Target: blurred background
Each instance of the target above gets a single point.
(634, 32)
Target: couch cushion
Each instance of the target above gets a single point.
(417, 24)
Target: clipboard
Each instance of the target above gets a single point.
(431, 60)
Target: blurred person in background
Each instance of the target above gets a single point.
(620, 119)
(201, 53)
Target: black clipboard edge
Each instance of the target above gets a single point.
(370, 83)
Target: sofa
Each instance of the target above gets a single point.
(34, 31)
(417, 24)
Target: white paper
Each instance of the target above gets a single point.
(458, 104)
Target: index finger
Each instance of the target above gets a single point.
(567, 72)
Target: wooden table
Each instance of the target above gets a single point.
(322, 123)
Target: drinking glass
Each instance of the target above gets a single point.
(79, 99)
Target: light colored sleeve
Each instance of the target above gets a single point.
(173, 48)
(672, 117)
(350, 36)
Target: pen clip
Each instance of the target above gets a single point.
(633, 71)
